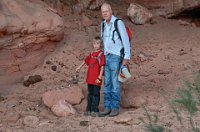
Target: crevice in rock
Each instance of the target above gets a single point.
(192, 16)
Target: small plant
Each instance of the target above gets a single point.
(197, 87)
(151, 125)
(179, 118)
(186, 100)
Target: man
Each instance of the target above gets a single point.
(114, 60)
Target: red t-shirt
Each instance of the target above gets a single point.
(94, 67)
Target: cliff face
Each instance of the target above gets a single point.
(167, 8)
(29, 30)
(170, 8)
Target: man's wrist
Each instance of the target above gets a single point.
(127, 57)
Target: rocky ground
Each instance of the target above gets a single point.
(165, 53)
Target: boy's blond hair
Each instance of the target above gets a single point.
(98, 40)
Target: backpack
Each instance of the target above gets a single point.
(128, 30)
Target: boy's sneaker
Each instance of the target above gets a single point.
(94, 114)
(87, 113)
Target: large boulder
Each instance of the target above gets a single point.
(72, 95)
(138, 14)
(131, 98)
(29, 30)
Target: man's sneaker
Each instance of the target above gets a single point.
(87, 113)
(114, 112)
(94, 114)
(105, 112)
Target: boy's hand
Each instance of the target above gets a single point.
(98, 80)
(77, 69)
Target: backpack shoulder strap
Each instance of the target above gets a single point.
(116, 29)
(102, 27)
(99, 57)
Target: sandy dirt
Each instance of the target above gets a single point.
(164, 54)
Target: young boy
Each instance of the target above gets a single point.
(95, 62)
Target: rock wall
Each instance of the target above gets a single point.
(167, 8)
(170, 8)
(29, 30)
(87, 4)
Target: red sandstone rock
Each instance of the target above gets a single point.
(31, 121)
(139, 14)
(73, 95)
(169, 8)
(124, 118)
(63, 108)
(29, 31)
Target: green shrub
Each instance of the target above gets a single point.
(188, 97)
